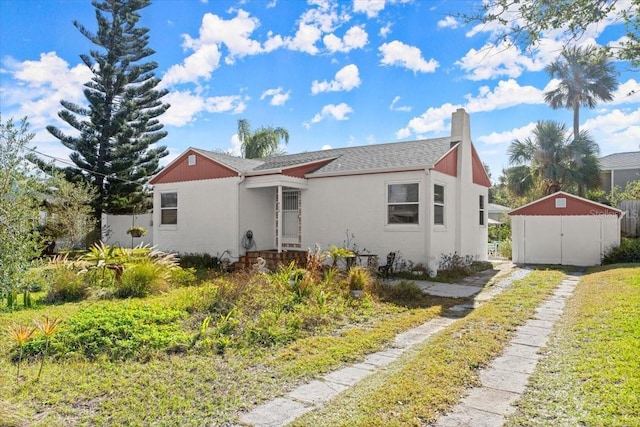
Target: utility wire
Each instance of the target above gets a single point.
(69, 163)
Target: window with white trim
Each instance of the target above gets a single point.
(402, 203)
(169, 208)
(438, 204)
(481, 210)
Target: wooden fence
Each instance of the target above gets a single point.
(630, 225)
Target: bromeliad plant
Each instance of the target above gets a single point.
(48, 327)
(21, 334)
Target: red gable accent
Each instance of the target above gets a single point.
(180, 171)
(480, 176)
(301, 171)
(448, 164)
(574, 206)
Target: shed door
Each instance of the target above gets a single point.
(566, 240)
(542, 243)
(581, 240)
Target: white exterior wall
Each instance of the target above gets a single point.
(579, 240)
(257, 206)
(443, 237)
(358, 203)
(114, 229)
(207, 217)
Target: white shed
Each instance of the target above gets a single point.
(563, 229)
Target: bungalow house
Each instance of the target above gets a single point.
(619, 169)
(423, 198)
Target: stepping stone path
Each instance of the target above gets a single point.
(502, 384)
(504, 381)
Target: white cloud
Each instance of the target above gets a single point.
(448, 22)
(198, 65)
(355, 38)
(278, 97)
(345, 79)
(234, 33)
(184, 107)
(507, 93)
(338, 112)
(615, 131)
(370, 7)
(236, 146)
(431, 121)
(385, 31)
(402, 55)
(395, 107)
(38, 88)
(627, 93)
(305, 39)
(234, 104)
(507, 137)
(491, 61)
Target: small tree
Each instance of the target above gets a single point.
(19, 214)
(69, 211)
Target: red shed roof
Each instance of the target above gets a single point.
(562, 203)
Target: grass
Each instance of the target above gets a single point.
(431, 379)
(143, 381)
(591, 375)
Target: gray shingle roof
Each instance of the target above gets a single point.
(629, 160)
(396, 155)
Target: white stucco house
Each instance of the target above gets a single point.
(563, 229)
(423, 198)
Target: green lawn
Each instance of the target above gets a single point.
(591, 375)
(134, 361)
(429, 380)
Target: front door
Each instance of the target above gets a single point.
(291, 217)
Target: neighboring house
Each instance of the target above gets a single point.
(424, 198)
(497, 213)
(619, 169)
(563, 229)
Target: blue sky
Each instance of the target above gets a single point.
(333, 73)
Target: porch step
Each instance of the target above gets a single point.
(272, 258)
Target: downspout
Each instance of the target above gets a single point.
(279, 219)
(237, 219)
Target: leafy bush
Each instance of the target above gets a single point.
(118, 331)
(202, 261)
(66, 285)
(183, 277)
(628, 251)
(359, 279)
(140, 280)
(405, 291)
(505, 249)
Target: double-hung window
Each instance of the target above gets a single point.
(402, 203)
(481, 209)
(438, 204)
(169, 208)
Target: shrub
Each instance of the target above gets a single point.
(505, 249)
(66, 285)
(140, 280)
(359, 279)
(118, 331)
(405, 291)
(183, 277)
(628, 251)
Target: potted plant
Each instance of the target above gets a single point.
(136, 231)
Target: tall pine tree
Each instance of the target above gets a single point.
(112, 149)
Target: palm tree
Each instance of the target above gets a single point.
(554, 159)
(264, 142)
(586, 77)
